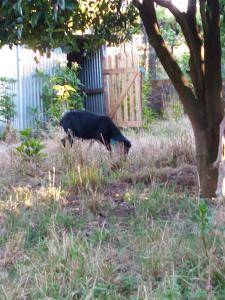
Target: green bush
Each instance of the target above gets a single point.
(60, 91)
(30, 148)
(173, 111)
(149, 115)
(7, 106)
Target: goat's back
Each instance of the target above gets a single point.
(87, 125)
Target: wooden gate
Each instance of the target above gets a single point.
(122, 81)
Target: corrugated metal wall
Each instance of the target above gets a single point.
(19, 64)
(91, 76)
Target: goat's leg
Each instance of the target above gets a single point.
(108, 147)
(68, 138)
(63, 141)
(104, 141)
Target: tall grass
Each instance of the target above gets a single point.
(79, 228)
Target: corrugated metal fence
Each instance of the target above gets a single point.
(19, 63)
(91, 76)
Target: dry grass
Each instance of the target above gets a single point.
(76, 227)
(165, 144)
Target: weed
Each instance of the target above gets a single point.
(37, 118)
(149, 114)
(173, 111)
(31, 148)
(7, 106)
(60, 91)
(160, 203)
(85, 177)
(203, 218)
(65, 220)
(99, 236)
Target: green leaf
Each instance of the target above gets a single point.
(26, 133)
(34, 19)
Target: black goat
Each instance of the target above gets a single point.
(86, 125)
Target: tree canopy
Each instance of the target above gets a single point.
(46, 24)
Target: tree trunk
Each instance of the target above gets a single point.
(152, 63)
(206, 150)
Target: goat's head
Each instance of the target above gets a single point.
(126, 147)
(122, 147)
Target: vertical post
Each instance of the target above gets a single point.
(19, 89)
(104, 79)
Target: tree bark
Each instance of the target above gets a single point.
(207, 141)
(152, 63)
(206, 149)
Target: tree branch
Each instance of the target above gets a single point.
(187, 22)
(196, 60)
(191, 7)
(148, 16)
(212, 57)
(191, 11)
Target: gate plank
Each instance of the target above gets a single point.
(123, 95)
(123, 85)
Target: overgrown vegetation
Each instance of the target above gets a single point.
(76, 228)
(60, 91)
(149, 115)
(7, 106)
(172, 109)
(30, 149)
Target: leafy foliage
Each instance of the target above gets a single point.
(47, 24)
(203, 218)
(7, 106)
(173, 111)
(38, 122)
(169, 29)
(149, 114)
(60, 91)
(31, 148)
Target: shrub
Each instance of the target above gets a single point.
(31, 148)
(173, 111)
(60, 91)
(85, 176)
(149, 114)
(7, 106)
